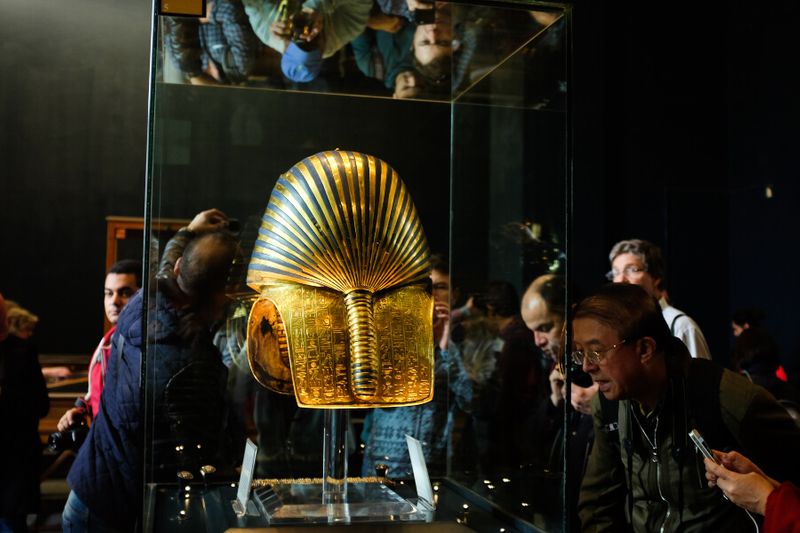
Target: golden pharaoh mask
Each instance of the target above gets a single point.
(344, 318)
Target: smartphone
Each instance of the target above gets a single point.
(701, 445)
(700, 442)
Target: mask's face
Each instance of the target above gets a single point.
(340, 261)
(298, 340)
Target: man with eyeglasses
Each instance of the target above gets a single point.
(644, 474)
(641, 263)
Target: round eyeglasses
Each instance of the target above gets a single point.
(593, 356)
(628, 272)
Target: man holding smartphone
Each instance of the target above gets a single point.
(644, 473)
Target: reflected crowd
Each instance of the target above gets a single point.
(390, 48)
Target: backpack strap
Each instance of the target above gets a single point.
(674, 320)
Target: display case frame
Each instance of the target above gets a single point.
(487, 125)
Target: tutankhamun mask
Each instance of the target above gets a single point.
(344, 317)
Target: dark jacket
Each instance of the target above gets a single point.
(106, 475)
(23, 401)
(673, 490)
(185, 383)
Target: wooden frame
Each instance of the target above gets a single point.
(117, 228)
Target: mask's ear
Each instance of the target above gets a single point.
(177, 268)
(646, 348)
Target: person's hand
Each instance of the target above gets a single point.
(209, 10)
(470, 305)
(582, 398)
(72, 418)
(556, 387)
(203, 79)
(736, 462)
(208, 220)
(413, 5)
(749, 490)
(56, 372)
(441, 323)
(281, 30)
(213, 71)
(384, 22)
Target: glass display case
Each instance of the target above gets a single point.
(468, 103)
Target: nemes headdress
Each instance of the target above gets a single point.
(344, 317)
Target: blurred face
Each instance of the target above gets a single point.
(433, 40)
(441, 286)
(118, 290)
(629, 268)
(546, 326)
(618, 373)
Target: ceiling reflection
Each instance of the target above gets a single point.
(382, 48)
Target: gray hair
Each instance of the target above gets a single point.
(649, 254)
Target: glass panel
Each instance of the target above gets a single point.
(477, 133)
(508, 229)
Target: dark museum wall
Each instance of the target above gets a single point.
(73, 116)
(681, 118)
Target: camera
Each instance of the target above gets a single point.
(425, 15)
(302, 25)
(70, 439)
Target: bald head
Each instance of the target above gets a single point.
(543, 312)
(203, 268)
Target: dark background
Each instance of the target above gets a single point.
(682, 116)
(73, 118)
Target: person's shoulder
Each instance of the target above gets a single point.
(671, 313)
(130, 319)
(681, 324)
(738, 394)
(133, 309)
(685, 322)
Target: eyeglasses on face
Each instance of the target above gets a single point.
(629, 272)
(593, 356)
